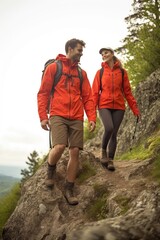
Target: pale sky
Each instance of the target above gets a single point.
(33, 31)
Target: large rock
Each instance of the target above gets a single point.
(130, 210)
(131, 200)
(147, 95)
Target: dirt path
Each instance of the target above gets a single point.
(130, 176)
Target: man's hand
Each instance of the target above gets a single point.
(45, 124)
(92, 126)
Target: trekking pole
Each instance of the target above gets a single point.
(50, 143)
(134, 133)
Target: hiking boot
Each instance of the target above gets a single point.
(50, 173)
(111, 166)
(104, 159)
(69, 194)
(104, 162)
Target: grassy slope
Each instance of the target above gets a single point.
(6, 183)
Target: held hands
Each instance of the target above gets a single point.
(92, 126)
(45, 125)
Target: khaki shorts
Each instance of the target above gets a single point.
(67, 132)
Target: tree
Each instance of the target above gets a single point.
(141, 47)
(33, 164)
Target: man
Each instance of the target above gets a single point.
(67, 107)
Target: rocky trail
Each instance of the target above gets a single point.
(130, 208)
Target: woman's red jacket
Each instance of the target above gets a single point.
(114, 90)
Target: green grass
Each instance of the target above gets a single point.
(6, 184)
(87, 171)
(139, 152)
(8, 204)
(156, 169)
(97, 209)
(123, 203)
(148, 148)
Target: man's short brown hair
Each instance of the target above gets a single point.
(73, 43)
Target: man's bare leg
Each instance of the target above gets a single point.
(73, 164)
(72, 169)
(54, 155)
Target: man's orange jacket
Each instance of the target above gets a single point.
(68, 100)
(114, 91)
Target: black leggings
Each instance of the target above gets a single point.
(111, 119)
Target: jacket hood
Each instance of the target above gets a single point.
(117, 64)
(63, 58)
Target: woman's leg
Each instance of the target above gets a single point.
(106, 117)
(117, 117)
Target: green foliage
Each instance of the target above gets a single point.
(155, 170)
(150, 147)
(123, 203)
(97, 210)
(34, 162)
(6, 183)
(9, 201)
(89, 135)
(141, 47)
(98, 207)
(8, 204)
(100, 190)
(87, 171)
(154, 147)
(139, 152)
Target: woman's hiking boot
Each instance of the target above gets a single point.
(104, 159)
(111, 166)
(69, 193)
(50, 173)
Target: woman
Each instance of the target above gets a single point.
(110, 89)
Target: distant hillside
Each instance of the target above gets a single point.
(6, 183)
(12, 171)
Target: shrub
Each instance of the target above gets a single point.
(98, 207)
(87, 171)
(8, 204)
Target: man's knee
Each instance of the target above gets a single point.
(74, 151)
(59, 148)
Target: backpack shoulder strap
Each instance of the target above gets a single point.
(80, 77)
(57, 75)
(101, 73)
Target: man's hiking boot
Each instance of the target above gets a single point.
(69, 194)
(50, 173)
(104, 159)
(111, 166)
